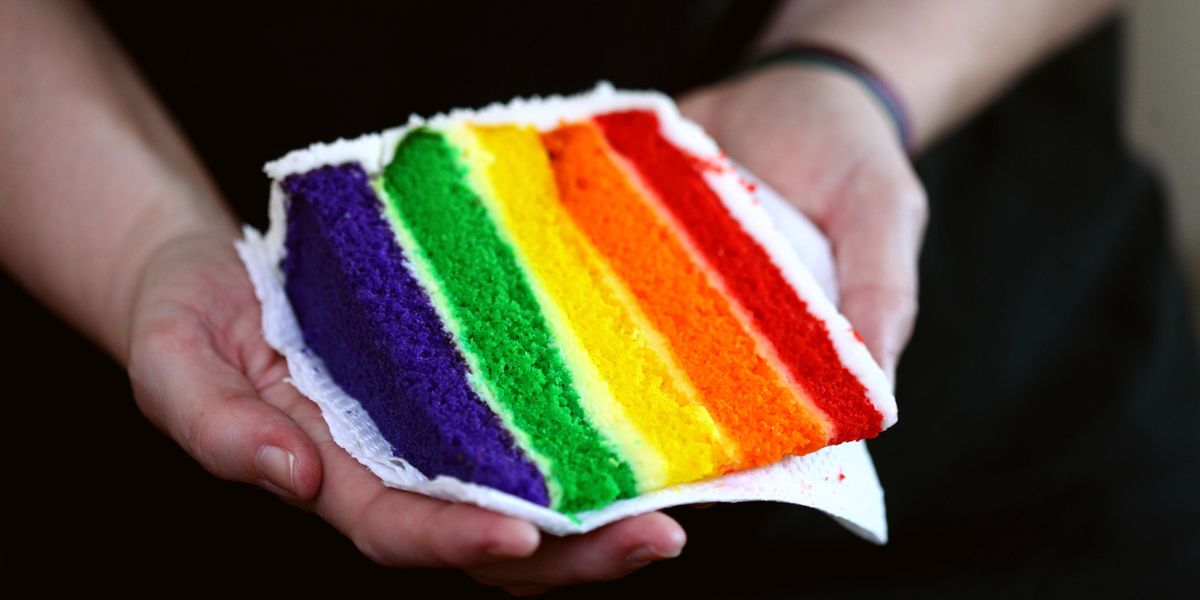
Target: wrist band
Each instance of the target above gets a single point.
(823, 56)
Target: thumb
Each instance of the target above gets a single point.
(876, 230)
(210, 408)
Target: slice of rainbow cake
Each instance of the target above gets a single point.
(572, 301)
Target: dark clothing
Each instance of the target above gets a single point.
(1050, 399)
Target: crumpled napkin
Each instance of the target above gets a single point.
(838, 480)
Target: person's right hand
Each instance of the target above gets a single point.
(202, 372)
(819, 139)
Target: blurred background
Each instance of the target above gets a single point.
(1163, 112)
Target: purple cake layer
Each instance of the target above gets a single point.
(367, 317)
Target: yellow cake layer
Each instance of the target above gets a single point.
(627, 378)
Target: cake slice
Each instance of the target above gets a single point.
(572, 301)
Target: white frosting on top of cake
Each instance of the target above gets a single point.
(374, 150)
(364, 149)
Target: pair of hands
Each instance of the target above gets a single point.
(202, 372)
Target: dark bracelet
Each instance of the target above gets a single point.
(824, 56)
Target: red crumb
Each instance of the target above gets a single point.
(710, 164)
(749, 185)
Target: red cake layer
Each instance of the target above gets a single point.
(801, 340)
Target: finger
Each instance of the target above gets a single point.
(607, 553)
(188, 389)
(404, 529)
(876, 228)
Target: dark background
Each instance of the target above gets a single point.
(1050, 395)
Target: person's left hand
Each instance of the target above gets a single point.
(202, 372)
(819, 139)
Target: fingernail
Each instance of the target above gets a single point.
(275, 465)
(646, 555)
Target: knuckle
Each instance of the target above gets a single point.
(446, 550)
(145, 395)
(145, 353)
(200, 437)
(416, 546)
(153, 355)
(899, 188)
(598, 570)
(906, 196)
(369, 550)
(358, 528)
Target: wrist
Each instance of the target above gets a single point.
(828, 58)
(149, 236)
(816, 110)
(805, 131)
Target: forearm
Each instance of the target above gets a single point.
(945, 58)
(93, 175)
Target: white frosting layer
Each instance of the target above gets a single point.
(374, 150)
(839, 480)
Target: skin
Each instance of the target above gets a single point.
(152, 277)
